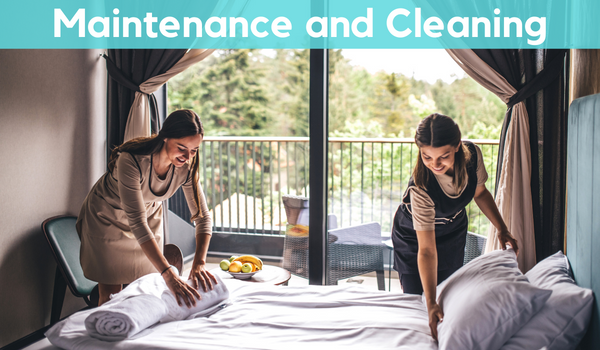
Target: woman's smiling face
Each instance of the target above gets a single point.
(440, 160)
(180, 151)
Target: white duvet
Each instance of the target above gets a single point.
(261, 316)
(144, 303)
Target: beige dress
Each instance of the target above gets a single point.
(124, 210)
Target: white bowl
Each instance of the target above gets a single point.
(243, 275)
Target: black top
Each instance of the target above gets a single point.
(451, 223)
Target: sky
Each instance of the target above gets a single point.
(426, 64)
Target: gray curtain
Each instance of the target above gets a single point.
(542, 80)
(127, 69)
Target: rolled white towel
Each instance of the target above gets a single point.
(125, 318)
(211, 301)
(139, 306)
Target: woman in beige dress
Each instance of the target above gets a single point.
(120, 222)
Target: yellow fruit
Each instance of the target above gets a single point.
(235, 266)
(250, 259)
(297, 231)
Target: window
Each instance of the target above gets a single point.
(255, 108)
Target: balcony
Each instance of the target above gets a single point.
(244, 179)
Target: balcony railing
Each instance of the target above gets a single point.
(244, 179)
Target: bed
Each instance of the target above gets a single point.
(262, 316)
(488, 304)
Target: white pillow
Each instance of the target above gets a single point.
(563, 321)
(485, 302)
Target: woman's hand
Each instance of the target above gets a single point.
(201, 277)
(486, 203)
(504, 237)
(181, 290)
(435, 316)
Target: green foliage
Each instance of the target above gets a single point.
(248, 93)
(229, 95)
(482, 131)
(346, 89)
(422, 107)
(290, 82)
(368, 178)
(467, 102)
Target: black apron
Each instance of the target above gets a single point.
(451, 223)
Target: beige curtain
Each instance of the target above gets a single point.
(514, 193)
(138, 120)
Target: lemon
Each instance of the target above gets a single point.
(224, 265)
(235, 266)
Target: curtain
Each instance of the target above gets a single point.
(544, 86)
(548, 140)
(132, 108)
(502, 72)
(139, 118)
(128, 69)
(157, 66)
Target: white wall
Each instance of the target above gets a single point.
(52, 150)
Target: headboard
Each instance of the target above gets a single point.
(583, 203)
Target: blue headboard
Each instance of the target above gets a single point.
(583, 203)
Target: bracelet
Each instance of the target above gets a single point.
(165, 270)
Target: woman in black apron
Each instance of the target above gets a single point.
(429, 234)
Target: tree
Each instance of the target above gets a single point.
(467, 102)
(421, 107)
(347, 89)
(389, 103)
(288, 82)
(229, 95)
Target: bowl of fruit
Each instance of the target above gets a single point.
(242, 267)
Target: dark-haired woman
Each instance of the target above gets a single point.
(430, 225)
(120, 222)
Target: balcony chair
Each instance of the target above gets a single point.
(474, 247)
(352, 251)
(64, 243)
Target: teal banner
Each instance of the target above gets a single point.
(300, 24)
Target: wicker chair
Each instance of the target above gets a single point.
(352, 251)
(474, 247)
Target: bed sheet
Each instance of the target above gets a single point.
(274, 317)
